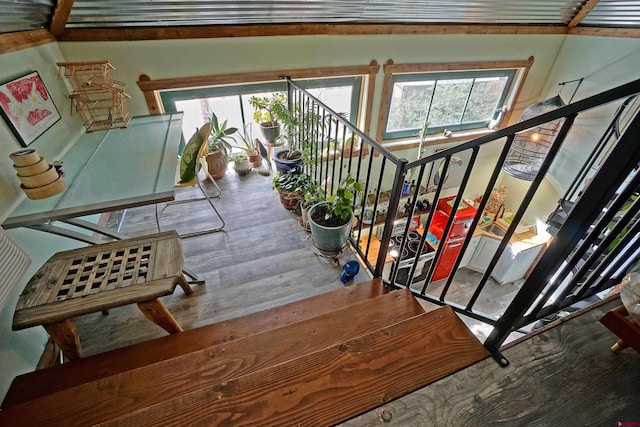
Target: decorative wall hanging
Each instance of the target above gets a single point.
(100, 100)
(27, 107)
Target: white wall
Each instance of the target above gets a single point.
(604, 63)
(182, 58)
(20, 350)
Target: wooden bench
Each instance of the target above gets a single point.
(100, 277)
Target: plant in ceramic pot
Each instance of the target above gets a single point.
(241, 164)
(269, 112)
(249, 146)
(291, 187)
(219, 147)
(312, 196)
(331, 220)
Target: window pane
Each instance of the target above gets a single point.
(449, 100)
(409, 105)
(483, 102)
(337, 98)
(198, 111)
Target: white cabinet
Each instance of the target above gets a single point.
(512, 265)
(485, 250)
(468, 254)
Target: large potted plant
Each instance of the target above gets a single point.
(269, 112)
(219, 146)
(291, 187)
(331, 220)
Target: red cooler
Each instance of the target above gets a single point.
(459, 229)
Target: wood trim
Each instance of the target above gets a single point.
(629, 33)
(386, 94)
(151, 97)
(518, 90)
(60, 16)
(218, 31)
(455, 66)
(586, 8)
(151, 88)
(261, 76)
(390, 68)
(10, 42)
(374, 69)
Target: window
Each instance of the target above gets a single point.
(447, 100)
(232, 102)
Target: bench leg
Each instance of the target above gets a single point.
(184, 285)
(157, 312)
(65, 335)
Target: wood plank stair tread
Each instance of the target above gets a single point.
(320, 387)
(34, 384)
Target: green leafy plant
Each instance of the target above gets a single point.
(247, 142)
(312, 196)
(270, 111)
(221, 136)
(292, 182)
(238, 158)
(339, 207)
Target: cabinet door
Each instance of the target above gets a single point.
(483, 254)
(517, 266)
(468, 254)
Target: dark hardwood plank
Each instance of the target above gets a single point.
(153, 384)
(324, 387)
(35, 384)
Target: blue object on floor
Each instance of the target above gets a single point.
(349, 271)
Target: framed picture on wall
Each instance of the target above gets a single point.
(27, 107)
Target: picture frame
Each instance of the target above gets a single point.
(27, 107)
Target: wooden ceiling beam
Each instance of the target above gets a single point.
(10, 42)
(60, 16)
(590, 4)
(629, 33)
(195, 32)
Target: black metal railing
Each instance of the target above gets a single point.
(403, 237)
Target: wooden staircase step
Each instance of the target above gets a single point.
(136, 390)
(102, 365)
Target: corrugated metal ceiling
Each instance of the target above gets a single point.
(18, 15)
(614, 13)
(117, 13)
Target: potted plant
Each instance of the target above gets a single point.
(249, 146)
(331, 220)
(268, 113)
(219, 147)
(312, 196)
(241, 164)
(291, 187)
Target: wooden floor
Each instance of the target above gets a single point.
(565, 376)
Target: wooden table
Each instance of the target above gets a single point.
(100, 277)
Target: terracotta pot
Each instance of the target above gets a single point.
(256, 161)
(217, 164)
(290, 201)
